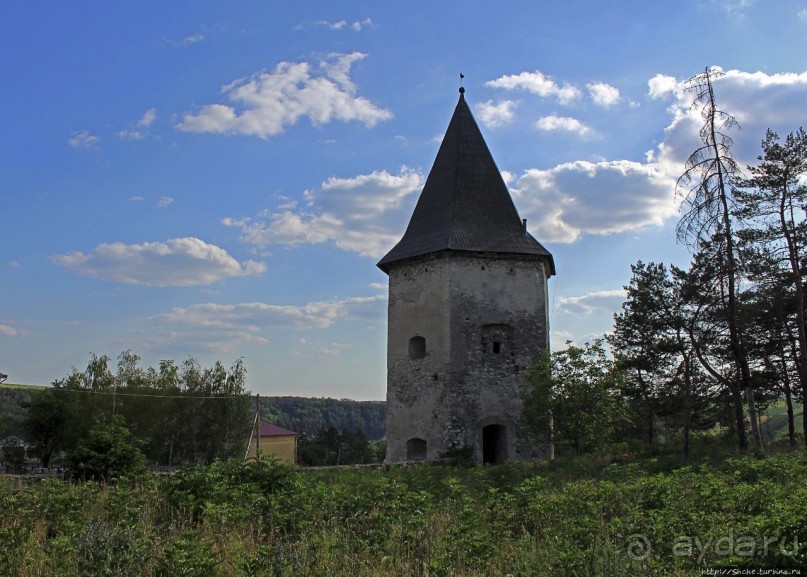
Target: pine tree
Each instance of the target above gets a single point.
(775, 197)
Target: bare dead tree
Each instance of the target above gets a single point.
(706, 191)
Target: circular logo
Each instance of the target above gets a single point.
(638, 547)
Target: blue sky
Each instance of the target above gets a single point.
(219, 179)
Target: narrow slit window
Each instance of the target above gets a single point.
(497, 341)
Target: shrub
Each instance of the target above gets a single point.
(108, 452)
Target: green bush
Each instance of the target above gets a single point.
(109, 452)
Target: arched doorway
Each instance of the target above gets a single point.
(416, 449)
(494, 444)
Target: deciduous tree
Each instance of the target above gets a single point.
(46, 424)
(581, 388)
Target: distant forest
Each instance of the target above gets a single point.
(309, 416)
(300, 414)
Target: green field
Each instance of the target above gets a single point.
(18, 386)
(580, 517)
(774, 421)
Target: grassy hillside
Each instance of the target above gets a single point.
(571, 518)
(308, 415)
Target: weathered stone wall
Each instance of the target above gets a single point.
(499, 324)
(484, 319)
(419, 306)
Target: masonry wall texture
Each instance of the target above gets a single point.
(484, 319)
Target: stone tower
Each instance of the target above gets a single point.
(467, 311)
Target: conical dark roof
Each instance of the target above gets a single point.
(465, 204)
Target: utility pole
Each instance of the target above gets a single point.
(255, 432)
(258, 425)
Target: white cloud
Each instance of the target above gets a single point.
(608, 301)
(758, 101)
(577, 198)
(332, 349)
(193, 38)
(661, 86)
(315, 315)
(226, 327)
(176, 262)
(734, 6)
(559, 339)
(286, 203)
(8, 331)
(563, 124)
(333, 25)
(137, 198)
(357, 25)
(129, 134)
(188, 40)
(603, 94)
(14, 264)
(165, 202)
(495, 114)
(802, 14)
(83, 139)
(364, 214)
(148, 118)
(537, 83)
(139, 129)
(269, 102)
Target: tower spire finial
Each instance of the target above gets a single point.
(462, 90)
